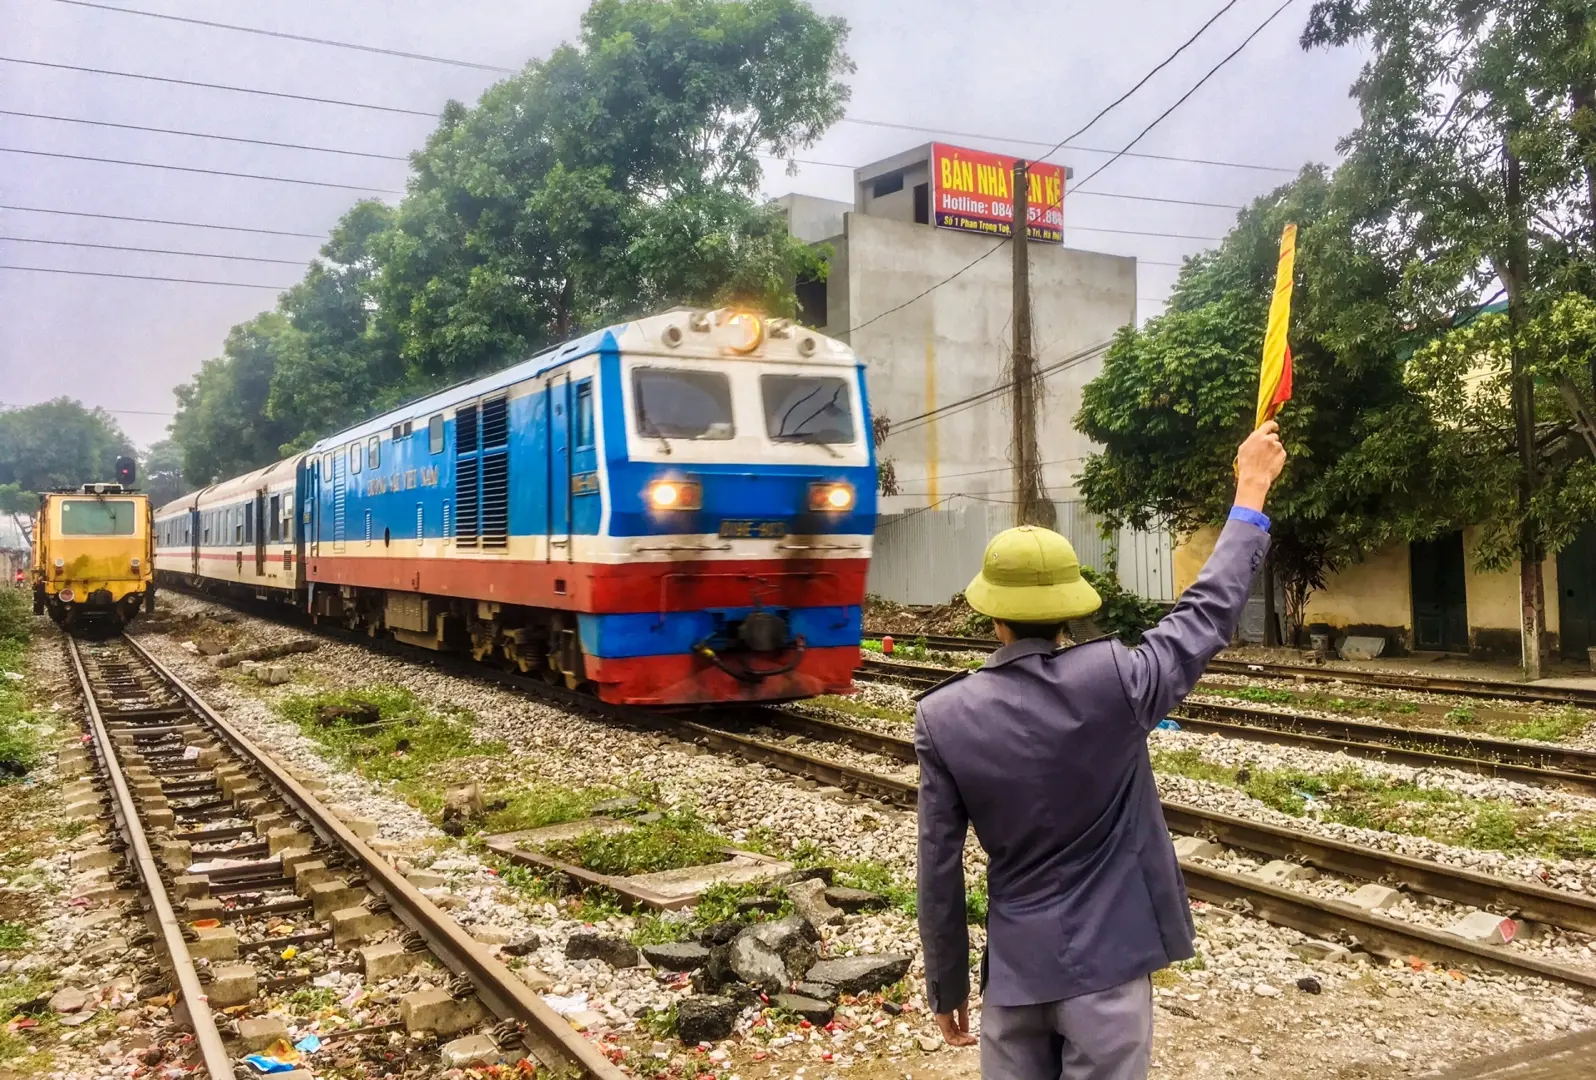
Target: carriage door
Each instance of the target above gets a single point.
(194, 536)
(260, 532)
(557, 398)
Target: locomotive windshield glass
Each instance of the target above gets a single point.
(98, 517)
(673, 403)
(807, 408)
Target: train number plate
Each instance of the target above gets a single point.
(753, 530)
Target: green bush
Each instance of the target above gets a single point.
(1123, 614)
(19, 737)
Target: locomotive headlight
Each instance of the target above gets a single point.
(135, 565)
(831, 497)
(60, 564)
(750, 330)
(675, 495)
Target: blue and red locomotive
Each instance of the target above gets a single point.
(675, 510)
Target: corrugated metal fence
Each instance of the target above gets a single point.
(927, 556)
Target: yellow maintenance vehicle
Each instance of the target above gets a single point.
(94, 556)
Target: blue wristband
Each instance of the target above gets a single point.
(1251, 517)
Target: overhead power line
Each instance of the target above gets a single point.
(291, 37)
(204, 134)
(139, 277)
(1101, 113)
(1182, 100)
(202, 172)
(1066, 145)
(162, 221)
(149, 250)
(220, 86)
(118, 412)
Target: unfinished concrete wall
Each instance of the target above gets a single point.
(953, 345)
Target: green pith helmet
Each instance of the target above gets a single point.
(1031, 575)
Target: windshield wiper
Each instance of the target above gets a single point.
(813, 438)
(646, 426)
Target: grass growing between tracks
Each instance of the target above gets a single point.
(385, 733)
(1350, 796)
(680, 838)
(862, 709)
(19, 732)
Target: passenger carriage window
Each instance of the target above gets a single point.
(327, 467)
(272, 533)
(584, 415)
(373, 451)
(357, 454)
(807, 408)
(435, 434)
(673, 403)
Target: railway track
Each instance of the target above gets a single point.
(1529, 763)
(727, 731)
(222, 838)
(1428, 684)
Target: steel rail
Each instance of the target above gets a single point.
(1537, 902)
(1529, 763)
(1429, 684)
(1382, 937)
(550, 1039)
(213, 1052)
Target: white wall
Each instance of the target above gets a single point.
(955, 342)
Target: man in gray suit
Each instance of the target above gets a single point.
(1044, 751)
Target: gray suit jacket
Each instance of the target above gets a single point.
(1044, 751)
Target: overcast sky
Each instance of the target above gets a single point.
(123, 344)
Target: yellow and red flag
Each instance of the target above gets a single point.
(1274, 380)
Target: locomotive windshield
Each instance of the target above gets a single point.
(98, 517)
(807, 408)
(674, 403)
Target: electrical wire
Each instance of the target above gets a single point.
(161, 221)
(1211, 73)
(140, 277)
(290, 37)
(219, 86)
(202, 172)
(847, 334)
(148, 251)
(204, 134)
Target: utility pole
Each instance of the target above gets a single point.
(1031, 505)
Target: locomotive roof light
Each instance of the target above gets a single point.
(832, 498)
(699, 322)
(672, 336)
(675, 495)
(779, 328)
(751, 333)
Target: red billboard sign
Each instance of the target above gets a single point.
(973, 191)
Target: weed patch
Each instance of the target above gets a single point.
(679, 838)
(1350, 796)
(13, 935)
(19, 732)
(386, 733)
(717, 904)
(543, 804)
(863, 709)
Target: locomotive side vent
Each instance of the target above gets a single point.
(466, 469)
(495, 456)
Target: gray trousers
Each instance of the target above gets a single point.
(1103, 1036)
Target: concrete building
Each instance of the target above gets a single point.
(938, 362)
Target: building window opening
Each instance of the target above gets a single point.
(887, 185)
(922, 204)
(812, 304)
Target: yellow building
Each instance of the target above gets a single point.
(1429, 597)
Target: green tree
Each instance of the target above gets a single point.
(1176, 397)
(59, 444)
(346, 365)
(222, 424)
(21, 507)
(616, 176)
(161, 472)
(1474, 166)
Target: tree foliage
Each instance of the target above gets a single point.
(1473, 168)
(58, 444)
(161, 473)
(1177, 396)
(616, 177)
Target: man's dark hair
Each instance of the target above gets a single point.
(1045, 631)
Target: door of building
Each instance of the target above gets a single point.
(1576, 582)
(1440, 600)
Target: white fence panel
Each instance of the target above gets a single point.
(928, 556)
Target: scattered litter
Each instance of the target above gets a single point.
(1166, 724)
(575, 1003)
(261, 1063)
(13, 676)
(290, 952)
(190, 753)
(309, 1044)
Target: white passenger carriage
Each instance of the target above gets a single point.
(237, 536)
